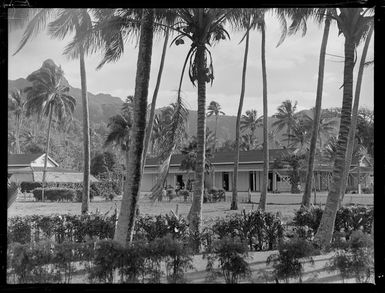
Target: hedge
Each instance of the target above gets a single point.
(55, 194)
(50, 262)
(108, 189)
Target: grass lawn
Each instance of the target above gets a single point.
(285, 203)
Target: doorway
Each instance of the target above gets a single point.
(225, 183)
(270, 185)
(179, 181)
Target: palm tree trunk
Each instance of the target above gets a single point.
(86, 137)
(234, 199)
(352, 131)
(317, 115)
(125, 227)
(262, 201)
(215, 133)
(154, 98)
(326, 227)
(195, 214)
(17, 134)
(46, 151)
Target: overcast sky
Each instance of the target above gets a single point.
(292, 69)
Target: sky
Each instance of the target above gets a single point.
(292, 69)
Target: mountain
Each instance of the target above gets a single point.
(102, 106)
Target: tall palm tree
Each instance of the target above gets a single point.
(352, 131)
(17, 106)
(49, 96)
(62, 23)
(215, 109)
(202, 26)
(286, 117)
(247, 23)
(262, 201)
(317, 115)
(354, 25)
(125, 226)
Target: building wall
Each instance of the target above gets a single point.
(39, 162)
(21, 177)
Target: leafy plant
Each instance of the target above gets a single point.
(231, 254)
(287, 263)
(356, 259)
(55, 194)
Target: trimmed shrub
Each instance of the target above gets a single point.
(231, 254)
(55, 194)
(29, 186)
(19, 230)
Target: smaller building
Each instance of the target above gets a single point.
(29, 168)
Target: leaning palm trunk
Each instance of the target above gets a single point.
(234, 200)
(352, 131)
(86, 136)
(215, 133)
(18, 127)
(317, 115)
(262, 201)
(125, 226)
(46, 151)
(195, 214)
(154, 98)
(326, 227)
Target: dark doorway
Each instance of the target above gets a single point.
(179, 180)
(270, 185)
(252, 180)
(225, 184)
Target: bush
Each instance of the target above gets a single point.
(55, 194)
(31, 264)
(177, 258)
(230, 254)
(108, 255)
(19, 230)
(61, 227)
(356, 259)
(348, 218)
(29, 186)
(260, 230)
(149, 228)
(367, 190)
(287, 263)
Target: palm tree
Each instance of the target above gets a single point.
(286, 117)
(245, 19)
(354, 25)
(49, 96)
(248, 142)
(299, 136)
(125, 226)
(65, 21)
(317, 115)
(120, 132)
(352, 131)
(17, 106)
(250, 122)
(215, 109)
(262, 201)
(202, 26)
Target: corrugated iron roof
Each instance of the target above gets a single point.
(22, 159)
(227, 157)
